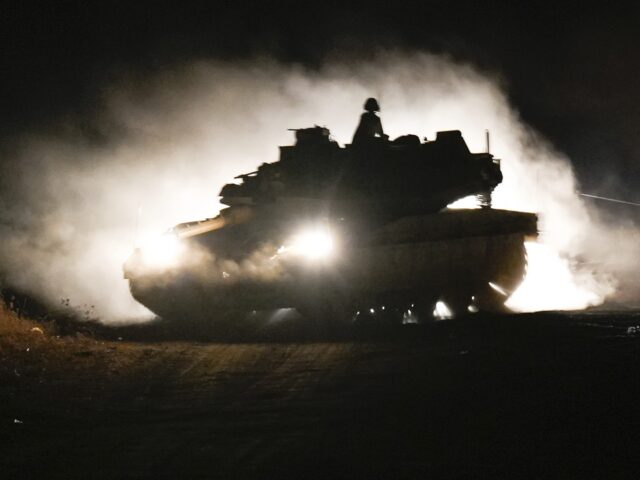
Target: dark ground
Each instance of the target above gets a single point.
(535, 396)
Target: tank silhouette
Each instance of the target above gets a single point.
(344, 233)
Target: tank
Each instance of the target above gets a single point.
(343, 234)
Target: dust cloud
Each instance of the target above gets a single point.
(77, 198)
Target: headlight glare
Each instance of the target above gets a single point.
(163, 251)
(314, 244)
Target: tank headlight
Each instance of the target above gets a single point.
(163, 251)
(314, 244)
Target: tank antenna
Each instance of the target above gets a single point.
(608, 199)
(487, 140)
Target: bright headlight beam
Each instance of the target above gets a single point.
(313, 244)
(162, 252)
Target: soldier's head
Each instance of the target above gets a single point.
(371, 105)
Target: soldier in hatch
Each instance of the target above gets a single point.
(370, 128)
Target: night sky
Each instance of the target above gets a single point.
(570, 69)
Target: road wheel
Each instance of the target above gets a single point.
(458, 302)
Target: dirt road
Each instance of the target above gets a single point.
(533, 396)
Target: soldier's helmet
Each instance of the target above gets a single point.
(371, 105)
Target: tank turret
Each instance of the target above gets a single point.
(406, 175)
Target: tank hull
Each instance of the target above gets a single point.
(456, 257)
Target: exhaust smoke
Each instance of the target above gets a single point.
(75, 204)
